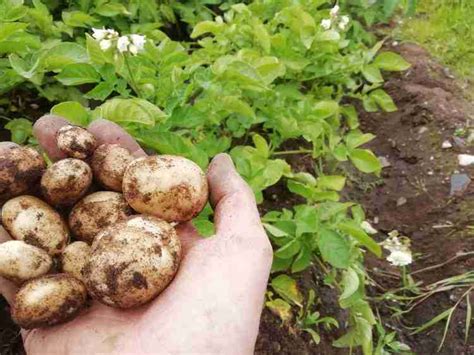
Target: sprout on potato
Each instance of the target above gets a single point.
(29, 219)
(48, 300)
(20, 168)
(169, 187)
(109, 163)
(20, 262)
(74, 258)
(97, 211)
(132, 261)
(75, 142)
(66, 181)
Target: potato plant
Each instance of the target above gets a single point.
(242, 78)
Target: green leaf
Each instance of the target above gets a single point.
(349, 283)
(391, 61)
(78, 74)
(303, 260)
(78, 19)
(276, 232)
(389, 7)
(350, 113)
(101, 91)
(314, 335)
(383, 100)
(325, 109)
(205, 228)
(281, 308)
(96, 55)
(334, 248)
(21, 130)
(363, 238)
(280, 264)
(234, 105)
(206, 27)
(289, 250)
(111, 10)
(331, 182)
(73, 111)
(372, 74)
(286, 287)
(365, 160)
(356, 138)
(433, 321)
(59, 56)
(261, 145)
(130, 110)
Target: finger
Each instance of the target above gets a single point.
(236, 211)
(45, 130)
(7, 288)
(110, 132)
(188, 236)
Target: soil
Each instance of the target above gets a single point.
(430, 109)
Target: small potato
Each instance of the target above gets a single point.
(66, 181)
(169, 187)
(132, 261)
(109, 163)
(20, 168)
(74, 258)
(76, 141)
(48, 300)
(29, 219)
(20, 262)
(97, 211)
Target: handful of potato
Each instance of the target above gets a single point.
(126, 250)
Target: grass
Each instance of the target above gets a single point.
(445, 28)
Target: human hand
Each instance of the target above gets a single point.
(214, 303)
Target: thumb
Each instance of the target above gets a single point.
(236, 213)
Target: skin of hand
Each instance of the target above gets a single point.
(214, 303)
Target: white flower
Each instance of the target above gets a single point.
(105, 44)
(367, 227)
(400, 257)
(138, 41)
(100, 34)
(122, 44)
(326, 24)
(341, 26)
(334, 11)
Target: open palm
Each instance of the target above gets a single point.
(214, 303)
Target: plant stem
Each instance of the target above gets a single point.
(289, 152)
(133, 84)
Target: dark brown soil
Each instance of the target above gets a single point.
(430, 109)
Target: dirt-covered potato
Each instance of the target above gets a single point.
(74, 258)
(29, 219)
(97, 211)
(48, 300)
(20, 168)
(20, 262)
(109, 163)
(169, 187)
(66, 181)
(76, 142)
(132, 261)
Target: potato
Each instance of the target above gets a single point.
(48, 300)
(74, 258)
(29, 219)
(97, 211)
(20, 262)
(109, 163)
(132, 261)
(20, 168)
(66, 181)
(75, 141)
(169, 187)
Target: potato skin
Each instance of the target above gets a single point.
(97, 211)
(20, 168)
(29, 219)
(132, 261)
(20, 262)
(74, 258)
(109, 163)
(66, 181)
(76, 142)
(169, 187)
(48, 300)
